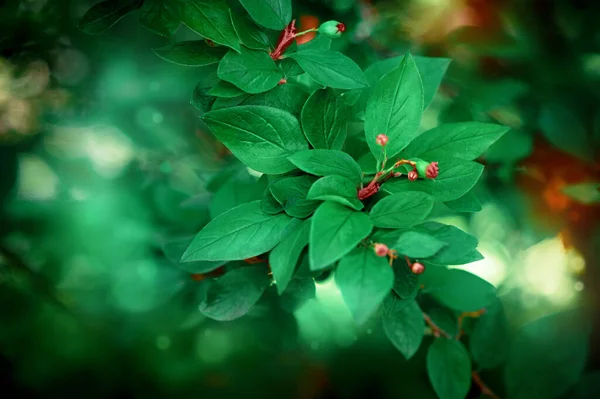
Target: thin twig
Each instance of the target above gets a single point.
(437, 330)
(485, 390)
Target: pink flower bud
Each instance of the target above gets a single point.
(432, 170)
(341, 27)
(282, 81)
(413, 175)
(381, 140)
(381, 249)
(417, 268)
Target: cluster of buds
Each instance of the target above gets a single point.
(382, 250)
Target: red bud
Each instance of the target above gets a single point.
(381, 140)
(381, 249)
(413, 175)
(432, 170)
(417, 268)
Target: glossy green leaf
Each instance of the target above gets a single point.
(467, 203)
(324, 120)
(201, 100)
(490, 338)
(225, 90)
(406, 283)
(466, 140)
(456, 178)
(445, 319)
(291, 192)
(284, 257)
(449, 368)
(191, 53)
(272, 14)
(364, 279)
(401, 210)
(331, 69)
(335, 231)
(261, 137)
(233, 294)
(418, 245)
(236, 192)
(211, 20)
(327, 163)
(253, 71)
(320, 42)
(250, 35)
(174, 249)
(286, 97)
(547, 356)
(461, 290)
(269, 204)
(403, 324)
(460, 244)
(161, 16)
(337, 189)
(102, 16)
(394, 108)
(290, 68)
(240, 233)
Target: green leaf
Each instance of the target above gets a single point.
(547, 356)
(401, 210)
(233, 294)
(406, 283)
(320, 42)
(512, 147)
(418, 245)
(432, 71)
(394, 108)
(173, 249)
(272, 14)
(470, 257)
(403, 324)
(327, 163)
(564, 130)
(291, 192)
(253, 71)
(324, 120)
(298, 292)
(466, 140)
(337, 189)
(467, 203)
(489, 340)
(225, 90)
(586, 193)
(240, 233)
(211, 20)
(235, 192)
(102, 16)
(461, 290)
(286, 97)
(449, 369)
(191, 53)
(261, 137)
(201, 100)
(445, 319)
(284, 257)
(331, 69)
(290, 68)
(250, 35)
(456, 178)
(335, 231)
(270, 205)
(460, 244)
(161, 16)
(364, 279)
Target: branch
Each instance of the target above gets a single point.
(437, 330)
(485, 390)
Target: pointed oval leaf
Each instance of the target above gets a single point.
(331, 69)
(337, 189)
(291, 192)
(284, 257)
(261, 137)
(250, 34)
(224, 89)
(466, 140)
(272, 14)
(394, 108)
(364, 279)
(401, 210)
(460, 244)
(324, 120)
(286, 97)
(233, 294)
(102, 16)
(211, 20)
(467, 203)
(406, 283)
(418, 245)
(449, 368)
(461, 290)
(335, 231)
(191, 53)
(253, 71)
(235, 192)
(456, 178)
(240, 233)
(327, 163)
(403, 324)
(161, 16)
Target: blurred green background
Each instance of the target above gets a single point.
(105, 167)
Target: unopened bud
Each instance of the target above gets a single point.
(413, 175)
(381, 249)
(417, 268)
(432, 170)
(381, 140)
(282, 81)
(332, 29)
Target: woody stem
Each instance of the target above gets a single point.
(437, 330)
(484, 388)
